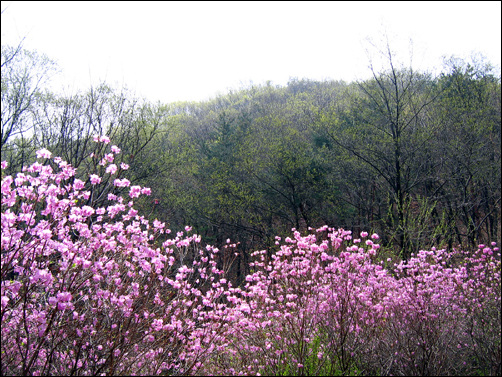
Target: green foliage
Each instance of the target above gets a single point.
(410, 156)
(259, 161)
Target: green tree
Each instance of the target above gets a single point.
(384, 128)
(468, 146)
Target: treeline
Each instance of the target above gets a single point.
(411, 156)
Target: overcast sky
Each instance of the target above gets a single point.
(174, 51)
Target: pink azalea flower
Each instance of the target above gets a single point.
(53, 300)
(43, 153)
(102, 139)
(109, 157)
(122, 182)
(111, 169)
(5, 301)
(78, 184)
(95, 179)
(135, 191)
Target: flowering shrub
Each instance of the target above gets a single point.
(84, 290)
(330, 308)
(90, 287)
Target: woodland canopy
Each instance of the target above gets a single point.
(411, 156)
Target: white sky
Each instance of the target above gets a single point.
(174, 51)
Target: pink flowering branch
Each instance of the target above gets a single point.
(86, 290)
(327, 306)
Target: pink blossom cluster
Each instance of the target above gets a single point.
(329, 305)
(90, 289)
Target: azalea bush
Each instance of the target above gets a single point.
(90, 290)
(325, 304)
(91, 287)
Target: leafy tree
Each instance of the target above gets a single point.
(384, 129)
(468, 145)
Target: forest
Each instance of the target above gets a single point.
(410, 157)
(413, 157)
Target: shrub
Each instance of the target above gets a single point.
(328, 307)
(85, 291)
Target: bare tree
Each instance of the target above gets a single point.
(23, 76)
